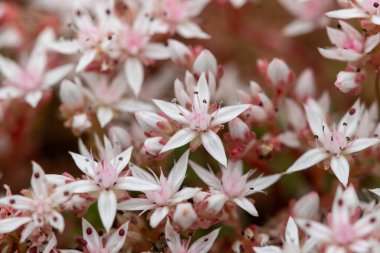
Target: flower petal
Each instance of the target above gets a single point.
(347, 13)
(204, 244)
(291, 233)
(134, 72)
(360, 144)
(174, 111)
(190, 30)
(117, 239)
(122, 159)
(315, 229)
(33, 98)
(91, 236)
(136, 204)
(85, 60)
(158, 215)
(56, 221)
(178, 172)
(39, 181)
(206, 176)
(172, 238)
(214, 146)
(228, 113)
(104, 115)
(107, 205)
(308, 159)
(135, 184)
(54, 76)
(180, 138)
(247, 205)
(84, 164)
(341, 168)
(10, 224)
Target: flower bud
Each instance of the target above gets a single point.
(184, 215)
(349, 81)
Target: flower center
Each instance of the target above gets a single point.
(28, 81)
(106, 175)
(161, 196)
(344, 233)
(335, 142)
(134, 41)
(199, 121)
(175, 10)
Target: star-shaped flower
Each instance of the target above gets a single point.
(334, 144)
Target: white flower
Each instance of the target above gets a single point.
(233, 186)
(292, 242)
(202, 245)
(335, 143)
(39, 209)
(97, 244)
(167, 194)
(31, 79)
(349, 44)
(309, 15)
(362, 9)
(345, 232)
(199, 124)
(105, 178)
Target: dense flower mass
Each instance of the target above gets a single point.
(202, 126)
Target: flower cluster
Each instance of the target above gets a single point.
(183, 145)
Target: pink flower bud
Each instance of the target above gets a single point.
(184, 215)
(349, 81)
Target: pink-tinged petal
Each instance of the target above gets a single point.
(133, 105)
(85, 60)
(341, 168)
(238, 129)
(361, 246)
(290, 139)
(65, 47)
(84, 186)
(291, 233)
(201, 98)
(104, 116)
(56, 221)
(305, 86)
(52, 243)
(267, 249)
(158, 215)
(54, 76)
(205, 63)
(10, 224)
(204, 244)
(367, 224)
(178, 51)
(107, 205)
(142, 174)
(149, 121)
(337, 36)
(278, 71)
(178, 172)
(10, 69)
(307, 207)
(309, 245)
(347, 13)
(308, 159)
(190, 30)
(122, 160)
(71, 95)
(315, 229)
(180, 93)
(17, 202)
(184, 194)
(180, 138)
(156, 51)
(134, 71)
(136, 204)
(117, 239)
(172, 238)
(85, 164)
(228, 113)
(27, 231)
(238, 3)
(214, 146)
(351, 32)
(69, 251)
(33, 98)
(90, 235)
(349, 122)
(61, 194)
(174, 111)
(360, 144)
(247, 205)
(298, 27)
(371, 42)
(317, 124)
(216, 202)
(296, 114)
(135, 184)
(375, 19)
(206, 176)
(184, 215)
(335, 249)
(38, 181)
(349, 55)
(37, 62)
(331, 54)
(262, 183)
